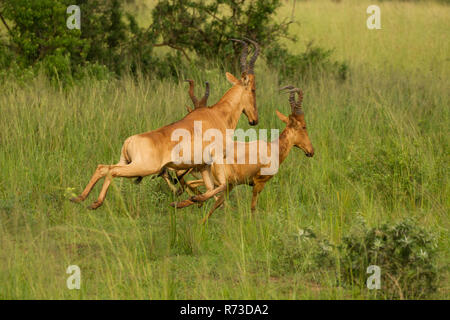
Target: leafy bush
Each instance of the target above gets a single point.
(207, 27)
(39, 30)
(197, 30)
(405, 252)
(301, 251)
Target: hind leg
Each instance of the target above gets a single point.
(127, 171)
(99, 173)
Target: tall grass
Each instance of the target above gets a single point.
(382, 153)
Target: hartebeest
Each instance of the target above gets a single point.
(181, 173)
(295, 134)
(149, 153)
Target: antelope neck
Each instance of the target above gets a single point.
(229, 106)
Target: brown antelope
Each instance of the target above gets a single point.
(181, 173)
(295, 134)
(148, 153)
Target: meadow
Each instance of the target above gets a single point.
(381, 139)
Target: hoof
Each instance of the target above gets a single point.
(94, 205)
(194, 199)
(182, 204)
(179, 192)
(76, 199)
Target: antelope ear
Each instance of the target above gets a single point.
(232, 78)
(282, 117)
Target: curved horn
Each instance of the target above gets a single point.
(296, 106)
(251, 63)
(300, 98)
(244, 54)
(204, 100)
(191, 92)
(291, 96)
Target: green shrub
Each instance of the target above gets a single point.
(301, 252)
(405, 252)
(206, 28)
(39, 30)
(197, 30)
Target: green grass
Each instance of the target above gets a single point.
(382, 152)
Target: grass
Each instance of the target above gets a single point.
(382, 153)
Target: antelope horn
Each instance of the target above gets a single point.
(191, 92)
(291, 96)
(296, 106)
(244, 54)
(251, 63)
(300, 99)
(204, 100)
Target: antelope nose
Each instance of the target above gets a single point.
(310, 154)
(253, 122)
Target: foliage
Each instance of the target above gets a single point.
(32, 36)
(197, 30)
(41, 39)
(302, 251)
(207, 27)
(405, 252)
(115, 38)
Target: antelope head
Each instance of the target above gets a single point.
(247, 81)
(296, 121)
(203, 100)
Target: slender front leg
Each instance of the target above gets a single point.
(209, 184)
(165, 176)
(257, 188)
(218, 203)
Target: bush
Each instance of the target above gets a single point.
(39, 30)
(405, 253)
(206, 28)
(197, 30)
(301, 252)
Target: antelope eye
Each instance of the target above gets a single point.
(304, 128)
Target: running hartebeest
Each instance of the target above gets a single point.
(149, 153)
(295, 134)
(181, 173)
